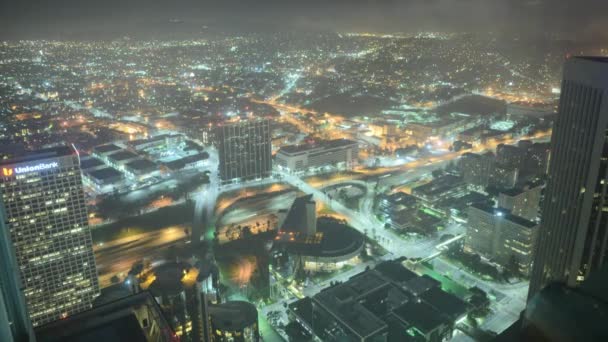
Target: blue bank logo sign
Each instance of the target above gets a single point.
(36, 167)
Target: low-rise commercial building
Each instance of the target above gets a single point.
(156, 144)
(387, 303)
(341, 153)
(448, 127)
(141, 169)
(103, 180)
(479, 135)
(440, 189)
(88, 163)
(391, 204)
(105, 150)
(190, 162)
(118, 160)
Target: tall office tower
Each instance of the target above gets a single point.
(498, 235)
(536, 161)
(244, 150)
(573, 241)
(477, 169)
(15, 322)
(510, 155)
(46, 215)
(522, 201)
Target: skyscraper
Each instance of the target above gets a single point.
(522, 201)
(46, 215)
(15, 323)
(477, 169)
(573, 237)
(497, 234)
(244, 150)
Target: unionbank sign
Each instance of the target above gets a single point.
(29, 168)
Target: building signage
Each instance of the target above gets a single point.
(29, 168)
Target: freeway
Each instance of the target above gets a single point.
(366, 221)
(118, 256)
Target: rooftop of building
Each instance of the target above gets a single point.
(105, 173)
(141, 165)
(90, 163)
(370, 301)
(420, 315)
(181, 163)
(10, 150)
(399, 198)
(114, 321)
(333, 239)
(326, 144)
(53, 152)
(420, 285)
(505, 214)
(394, 270)
(112, 293)
(106, 148)
(152, 139)
(340, 301)
(122, 155)
(233, 315)
(439, 185)
(445, 302)
(303, 308)
(462, 203)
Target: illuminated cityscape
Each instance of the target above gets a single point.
(250, 178)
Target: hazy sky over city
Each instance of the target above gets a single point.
(108, 18)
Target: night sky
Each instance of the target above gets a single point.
(86, 19)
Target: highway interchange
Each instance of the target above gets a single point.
(118, 257)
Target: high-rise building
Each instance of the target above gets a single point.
(498, 235)
(574, 226)
(15, 323)
(504, 176)
(46, 215)
(244, 150)
(510, 155)
(477, 169)
(536, 161)
(522, 201)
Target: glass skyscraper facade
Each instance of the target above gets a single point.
(573, 237)
(244, 150)
(46, 215)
